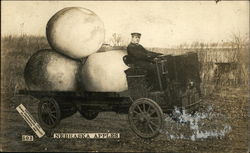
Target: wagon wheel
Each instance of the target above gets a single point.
(49, 113)
(89, 115)
(145, 118)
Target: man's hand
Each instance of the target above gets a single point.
(155, 59)
(161, 55)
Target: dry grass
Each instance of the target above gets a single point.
(15, 52)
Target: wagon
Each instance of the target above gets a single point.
(174, 83)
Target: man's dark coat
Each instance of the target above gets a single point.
(137, 53)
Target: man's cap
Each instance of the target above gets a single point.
(136, 34)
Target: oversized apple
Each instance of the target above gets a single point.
(48, 70)
(104, 72)
(76, 32)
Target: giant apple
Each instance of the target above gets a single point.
(104, 72)
(48, 70)
(76, 32)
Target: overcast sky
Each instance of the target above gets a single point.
(162, 23)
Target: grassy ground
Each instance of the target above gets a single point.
(225, 108)
(222, 119)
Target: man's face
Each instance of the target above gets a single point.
(135, 39)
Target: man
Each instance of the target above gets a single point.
(143, 58)
(138, 54)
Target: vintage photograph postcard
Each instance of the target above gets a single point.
(125, 76)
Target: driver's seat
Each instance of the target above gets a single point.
(134, 69)
(128, 61)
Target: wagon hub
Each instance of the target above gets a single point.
(142, 117)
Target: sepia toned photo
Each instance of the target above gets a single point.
(125, 76)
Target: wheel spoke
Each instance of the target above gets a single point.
(151, 113)
(154, 118)
(53, 116)
(51, 119)
(47, 120)
(43, 108)
(137, 123)
(152, 123)
(48, 108)
(134, 118)
(53, 112)
(52, 106)
(148, 108)
(150, 127)
(144, 109)
(138, 126)
(136, 112)
(139, 108)
(145, 127)
(43, 111)
(141, 127)
(47, 105)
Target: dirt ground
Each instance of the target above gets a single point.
(223, 120)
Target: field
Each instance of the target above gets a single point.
(221, 124)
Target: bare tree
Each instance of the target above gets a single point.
(118, 40)
(238, 42)
(183, 46)
(195, 44)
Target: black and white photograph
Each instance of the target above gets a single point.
(125, 76)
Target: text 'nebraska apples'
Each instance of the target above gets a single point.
(76, 32)
(104, 72)
(48, 70)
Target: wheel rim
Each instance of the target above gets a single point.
(145, 117)
(49, 112)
